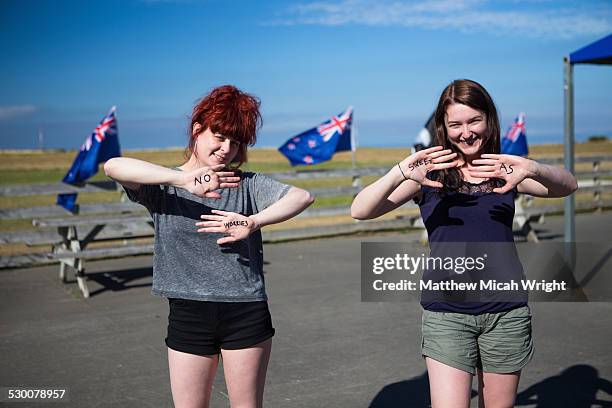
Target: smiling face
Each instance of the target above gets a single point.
(215, 148)
(466, 128)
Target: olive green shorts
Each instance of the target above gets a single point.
(493, 342)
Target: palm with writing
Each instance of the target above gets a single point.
(235, 226)
(204, 181)
(511, 169)
(416, 166)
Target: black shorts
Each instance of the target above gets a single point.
(204, 328)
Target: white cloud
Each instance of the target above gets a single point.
(470, 16)
(10, 112)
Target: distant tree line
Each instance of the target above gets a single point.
(598, 138)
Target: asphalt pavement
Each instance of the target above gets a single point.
(330, 349)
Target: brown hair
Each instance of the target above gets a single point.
(474, 95)
(228, 111)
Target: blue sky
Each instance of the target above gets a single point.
(66, 62)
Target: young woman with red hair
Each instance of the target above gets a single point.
(208, 258)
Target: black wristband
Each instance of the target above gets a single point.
(402, 171)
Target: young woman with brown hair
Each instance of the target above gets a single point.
(466, 190)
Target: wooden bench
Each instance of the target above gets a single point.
(70, 233)
(72, 249)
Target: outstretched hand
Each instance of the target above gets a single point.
(204, 181)
(235, 226)
(416, 166)
(512, 169)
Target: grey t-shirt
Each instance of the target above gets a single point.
(191, 265)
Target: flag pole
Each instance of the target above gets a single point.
(353, 138)
(356, 177)
(41, 139)
(354, 146)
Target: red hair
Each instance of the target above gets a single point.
(228, 111)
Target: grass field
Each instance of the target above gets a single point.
(49, 166)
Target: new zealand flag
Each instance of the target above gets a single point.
(319, 144)
(515, 141)
(101, 145)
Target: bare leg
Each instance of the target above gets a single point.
(497, 390)
(449, 387)
(245, 374)
(191, 378)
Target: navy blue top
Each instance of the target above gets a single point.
(472, 214)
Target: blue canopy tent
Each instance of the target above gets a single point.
(599, 52)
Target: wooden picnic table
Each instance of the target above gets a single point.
(72, 251)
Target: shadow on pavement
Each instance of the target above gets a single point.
(575, 387)
(543, 235)
(116, 281)
(413, 393)
(408, 393)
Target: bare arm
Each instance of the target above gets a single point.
(528, 176)
(401, 183)
(294, 202)
(238, 226)
(132, 173)
(548, 181)
(384, 195)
